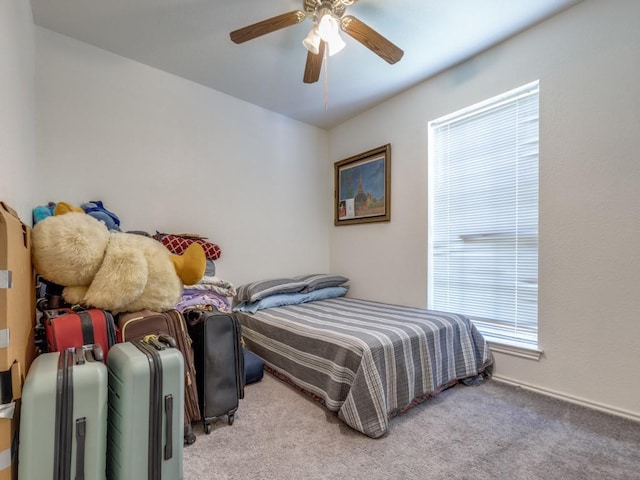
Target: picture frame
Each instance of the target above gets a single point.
(363, 187)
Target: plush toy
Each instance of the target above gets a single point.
(115, 271)
(43, 211)
(96, 209)
(65, 207)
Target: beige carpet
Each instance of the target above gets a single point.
(493, 431)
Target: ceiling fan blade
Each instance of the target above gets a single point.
(267, 26)
(371, 39)
(314, 65)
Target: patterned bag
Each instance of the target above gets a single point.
(178, 243)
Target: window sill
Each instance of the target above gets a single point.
(515, 350)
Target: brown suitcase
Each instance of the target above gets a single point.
(137, 325)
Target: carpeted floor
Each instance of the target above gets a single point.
(494, 431)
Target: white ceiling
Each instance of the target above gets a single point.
(190, 38)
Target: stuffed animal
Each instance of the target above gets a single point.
(96, 209)
(65, 207)
(120, 272)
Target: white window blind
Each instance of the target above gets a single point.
(483, 216)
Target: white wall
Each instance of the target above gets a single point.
(17, 107)
(170, 155)
(588, 62)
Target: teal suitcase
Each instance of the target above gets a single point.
(145, 425)
(63, 425)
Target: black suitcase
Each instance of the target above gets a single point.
(219, 361)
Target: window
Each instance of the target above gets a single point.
(483, 216)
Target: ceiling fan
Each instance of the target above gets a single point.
(328, 16)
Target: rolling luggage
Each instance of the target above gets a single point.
(137, 325)
(63, 426)
(219, 361)
(146, 410)
(66, 327)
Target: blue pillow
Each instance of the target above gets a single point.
(282, 299)
(277, 300)
(327, 292)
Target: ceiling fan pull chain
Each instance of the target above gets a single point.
(326, 80)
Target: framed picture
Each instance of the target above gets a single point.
(363, 187)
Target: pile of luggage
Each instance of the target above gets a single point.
(110, 390)
(87, 394)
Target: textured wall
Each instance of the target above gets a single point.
(168, 154)
(17, 108)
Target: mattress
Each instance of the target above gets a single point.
(367, 360)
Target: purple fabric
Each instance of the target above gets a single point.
(199, 298)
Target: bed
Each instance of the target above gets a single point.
(365, 360)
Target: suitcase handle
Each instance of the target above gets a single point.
(96, 351)
(168, 340)
(193, 316)
(160, 342)
(168, 412)
(80, 354)
(153, 341)
(56, 312)
(81, 436)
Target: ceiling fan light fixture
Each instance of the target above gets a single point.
(312, 40)
(327, 26)
(336, 44)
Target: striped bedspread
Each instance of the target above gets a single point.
(366, 360)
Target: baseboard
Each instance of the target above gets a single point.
(570, 398)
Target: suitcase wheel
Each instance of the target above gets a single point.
(190, 439)
(207, 428)
(231, 417)
(41, 304)
(189, 436)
